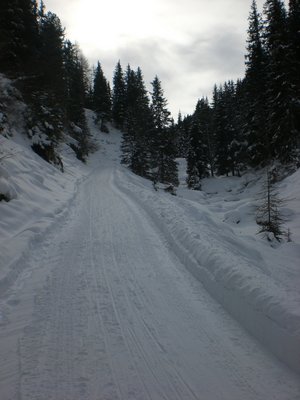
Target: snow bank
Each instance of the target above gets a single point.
(39, 194)
(233, 265)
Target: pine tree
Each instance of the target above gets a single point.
(229, 141)
(268, 213)
(222, 140)
(198, 159)
(163, 149)
(142, 126)
(75, 99)
(280, 119)
(101, 97)
(18, 36)
(183, 129)
(293, 54)
(118, 97)
(129, 134)
(51, 55)
(45, 91)
(254, 128)
(135, 153)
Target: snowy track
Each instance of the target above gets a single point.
(105, 311)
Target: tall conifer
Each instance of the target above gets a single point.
(101, 96)
(163, 149)
(255, 86)
(118, 97)
(280, 118)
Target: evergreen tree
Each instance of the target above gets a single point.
(101, 96)
(75, 99)
(118, 97)
(198, 156)
(293, 52)
(163, 146)
(254, 128)
(183, 128)
(18, 36)
(45, 91)
(142, 126)
(137, 122)
(129, 134)
(228, 140)
(268, 213)
(51, 55)
(221, 138)
(280, 119)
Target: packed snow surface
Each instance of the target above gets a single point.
(112, 290)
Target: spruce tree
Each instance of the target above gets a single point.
(268, 214)
(293, 52)
(142, 126)
(228, 139)
(135, 153)
(198, 159)
(183, 129)
(101, 97)
(51, 55)
(44, 92)
(75, 99)
(280, 118)
(163, 146)
(118, 97)
(129, 133)
(18, 37)
(254, 128)
(222, 161)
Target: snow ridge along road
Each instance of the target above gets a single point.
(233, 270)
(105, 310)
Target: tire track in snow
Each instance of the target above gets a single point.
(119, 318)
(175, 377)
(213, 344)
(173, 381)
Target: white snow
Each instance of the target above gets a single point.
(257, 283)
(98, 296)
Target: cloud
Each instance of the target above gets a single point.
(190, 45)
(187, 71)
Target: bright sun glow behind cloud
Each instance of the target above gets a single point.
(111, 23)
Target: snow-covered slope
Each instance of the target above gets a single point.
(55, 300)
(214, 234)
(40, 193)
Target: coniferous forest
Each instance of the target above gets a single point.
(251, 122)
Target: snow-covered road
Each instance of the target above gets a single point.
(105, 310)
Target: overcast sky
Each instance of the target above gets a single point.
(189, 44)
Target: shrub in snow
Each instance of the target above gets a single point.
(268, 213)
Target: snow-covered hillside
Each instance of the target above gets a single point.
(40, 194)
(98, 295)
(214, 234)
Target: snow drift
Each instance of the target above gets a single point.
(234, 269)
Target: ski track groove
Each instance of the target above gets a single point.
(129, 201)
(99, 308)
(146, 327)
(119, 318)
(105, 324)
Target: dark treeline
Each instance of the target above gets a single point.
(51, 73)
(249, 123)
(254, 121)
